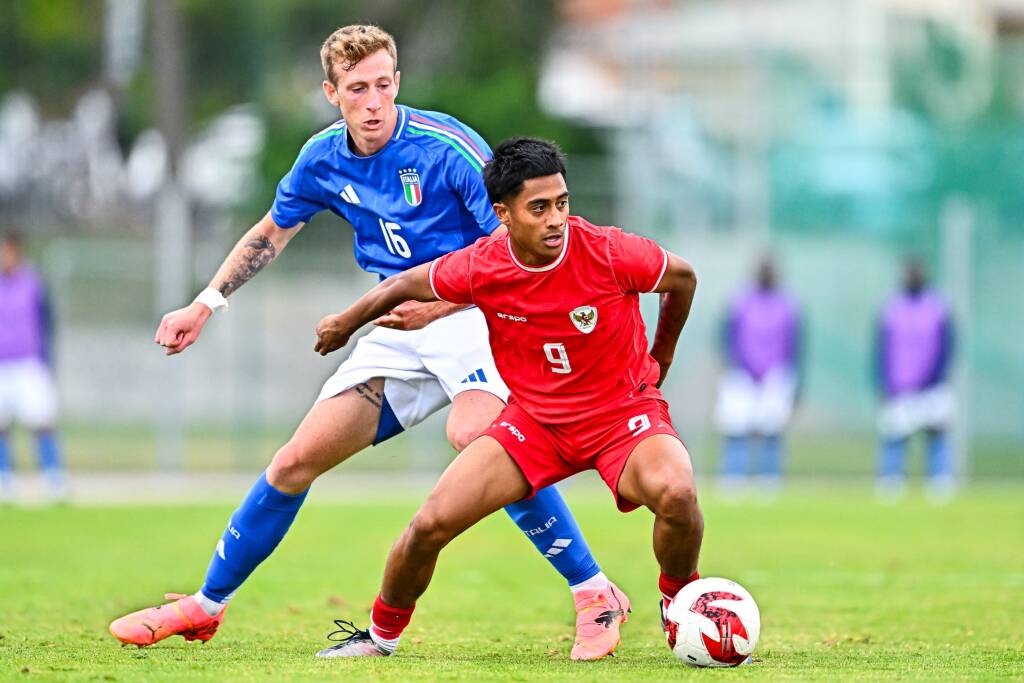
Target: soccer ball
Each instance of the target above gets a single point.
(712, 622)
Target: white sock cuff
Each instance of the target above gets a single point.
(388, 646)
(595, 582)
(209, 605)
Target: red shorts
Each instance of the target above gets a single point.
(550, 453)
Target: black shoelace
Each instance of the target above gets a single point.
(346, 632)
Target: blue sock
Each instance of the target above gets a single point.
(771, 455)
(548, 523)
(940, 456)
(891, 456)
(255, 529)
(5, 455)
(49, 451)
(734, 457)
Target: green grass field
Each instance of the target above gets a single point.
(848, 589)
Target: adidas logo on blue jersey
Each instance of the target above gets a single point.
(349, 195)
(475, 376)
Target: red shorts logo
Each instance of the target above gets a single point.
(513, 430)
(638, 425)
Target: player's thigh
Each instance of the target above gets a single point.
(35, 396)
(8, 395)
(455, 350)
(736, 404)
(335, 428)
(482, 479)
(775, 400)
(659, 468)
(472, 412)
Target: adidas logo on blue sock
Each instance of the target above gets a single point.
(558, 546)
(475, 376)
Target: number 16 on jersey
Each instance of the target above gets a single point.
(396, 243)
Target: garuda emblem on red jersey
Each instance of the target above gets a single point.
(411, 184)
(584, 318)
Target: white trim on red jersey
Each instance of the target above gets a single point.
(664, 267)
(550, 266)
(430, 275)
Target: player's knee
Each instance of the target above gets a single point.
(429, 532)
(291, 470)
(460, 436)
(676, 502)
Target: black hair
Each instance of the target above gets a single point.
(517, 160)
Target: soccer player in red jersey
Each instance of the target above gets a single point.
(561, 300)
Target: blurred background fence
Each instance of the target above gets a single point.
(140, 138)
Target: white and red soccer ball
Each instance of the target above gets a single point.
(713, 623)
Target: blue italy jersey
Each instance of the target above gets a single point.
(421, 196)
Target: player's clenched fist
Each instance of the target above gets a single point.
(410, 315)
(179, 329)
(332, 333)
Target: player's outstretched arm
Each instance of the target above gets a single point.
(415, 315)
(677, 287)
(334, 330)
(258, 247)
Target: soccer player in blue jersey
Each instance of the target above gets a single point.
(410, 184)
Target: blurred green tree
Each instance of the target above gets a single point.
(476, 60)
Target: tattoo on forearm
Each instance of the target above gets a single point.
(367, 392)
(256, 253)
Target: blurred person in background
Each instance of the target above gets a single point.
(409, 182)
(761, 343)
(913, 348)
(27, 393)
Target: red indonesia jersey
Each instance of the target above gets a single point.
(567, 337)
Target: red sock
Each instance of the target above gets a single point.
(388, 622)
(670, 585)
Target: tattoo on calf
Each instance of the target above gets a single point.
(367, 392)
(256, 254)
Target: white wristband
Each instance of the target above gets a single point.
(212, 299)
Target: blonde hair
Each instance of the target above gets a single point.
(349, 45)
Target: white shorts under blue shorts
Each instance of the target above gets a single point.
(906, 414)
(747, 407)
(27, 394)
(424, 369)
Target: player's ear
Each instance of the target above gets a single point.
(502, 212)
(398, 77)
(331, 93)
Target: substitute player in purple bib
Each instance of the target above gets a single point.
(913, 348)
(27, 392)
(756, 396)
(409, 182)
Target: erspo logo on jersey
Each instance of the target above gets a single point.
(509, 316)
(411, 184)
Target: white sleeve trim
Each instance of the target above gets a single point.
(661, 275)
(433, 287)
